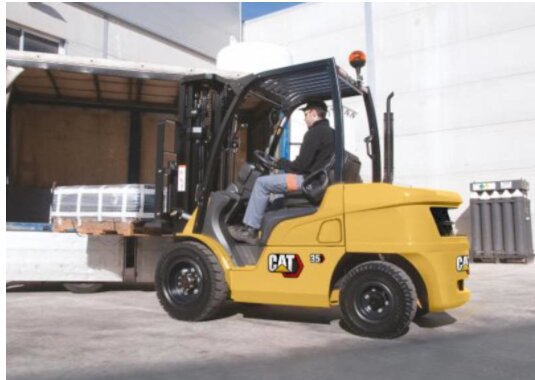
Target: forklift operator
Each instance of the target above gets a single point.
(316, 151)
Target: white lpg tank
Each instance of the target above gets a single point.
(252, 57)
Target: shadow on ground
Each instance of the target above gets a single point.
(430, 321)
(316, 315)
(284, 313)
(58, 287)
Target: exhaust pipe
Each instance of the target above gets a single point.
(389, 142)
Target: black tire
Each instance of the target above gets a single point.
(190, 283)
(377, 300)
(83, 287)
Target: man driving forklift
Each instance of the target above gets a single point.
(315, 152)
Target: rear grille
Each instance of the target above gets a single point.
(442, 221)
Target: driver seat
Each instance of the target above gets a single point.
(313, 187)
(298, 203)
(315, 184)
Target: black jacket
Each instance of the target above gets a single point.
(315, 152)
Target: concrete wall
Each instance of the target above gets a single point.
(201, 27)
(91, 33)
(463, 74)
(312, 31)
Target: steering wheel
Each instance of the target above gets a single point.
(265, 160)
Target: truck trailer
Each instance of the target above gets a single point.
(75, 121)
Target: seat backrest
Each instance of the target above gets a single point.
(351, 168)
(315, 184)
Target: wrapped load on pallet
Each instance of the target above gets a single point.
(102, 209)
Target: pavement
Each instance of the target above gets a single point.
(123, 333)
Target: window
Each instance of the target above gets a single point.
(297, 129)
(13, 38)
(20, 39)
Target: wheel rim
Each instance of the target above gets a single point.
(374, 302)
(184, 282)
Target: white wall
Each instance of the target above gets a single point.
(127, 44)
(202, 27)
(83, 31)
(88, 34)
(312, 30)
(463, 75)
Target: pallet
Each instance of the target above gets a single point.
(105, 227)
(505, 259)
(491, 260)
(515, 259)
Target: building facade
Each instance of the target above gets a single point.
(463, 77)
(181, 34)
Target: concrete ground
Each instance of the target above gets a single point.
(125, 334)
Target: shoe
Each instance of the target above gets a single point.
(244, 234)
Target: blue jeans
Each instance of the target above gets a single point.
(263, 187)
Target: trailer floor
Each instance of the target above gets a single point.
(125, 334)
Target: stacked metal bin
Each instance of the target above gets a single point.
(501, 221)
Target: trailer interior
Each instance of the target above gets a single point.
(89, 122)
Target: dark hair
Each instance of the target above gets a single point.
(321, 112)
(319, 106)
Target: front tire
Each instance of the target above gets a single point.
(378, 300)
(190, 283)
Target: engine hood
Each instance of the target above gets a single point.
(360, 197)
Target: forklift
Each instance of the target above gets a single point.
(384, 254)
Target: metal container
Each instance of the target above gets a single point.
(501, 221)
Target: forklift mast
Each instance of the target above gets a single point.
(179, 172)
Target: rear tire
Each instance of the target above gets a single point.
(190, 283)
(378, 300)
(83, 287)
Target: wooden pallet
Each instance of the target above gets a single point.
(503, 259)
(508, 259)
(106, 227)
(491, 260)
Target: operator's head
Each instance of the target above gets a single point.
(314, 110)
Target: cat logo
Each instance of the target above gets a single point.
(462, 263)
(289, 264)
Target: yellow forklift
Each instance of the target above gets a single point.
(383, 253)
